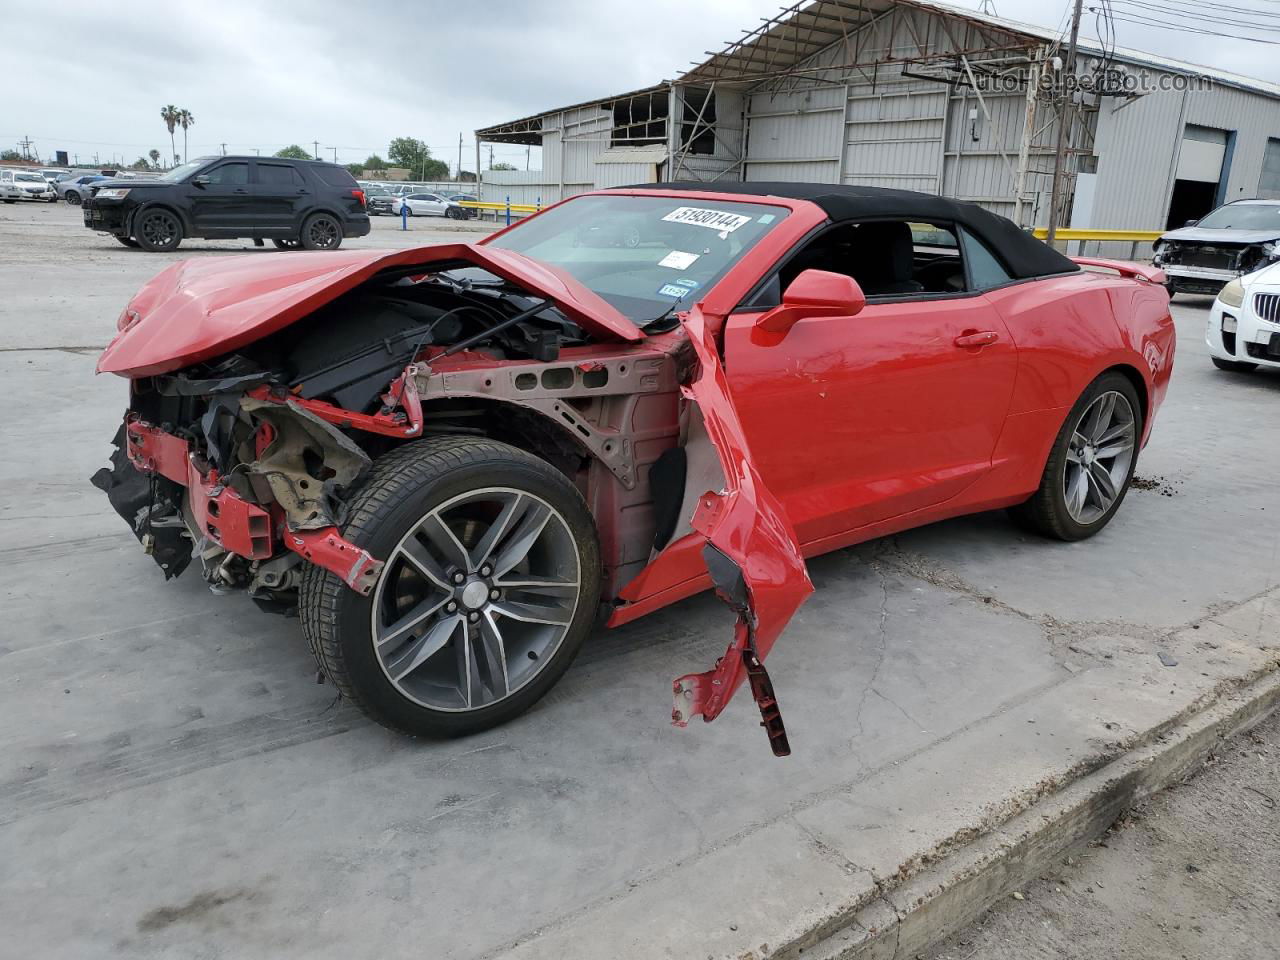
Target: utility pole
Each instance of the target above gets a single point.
(335, 154)
(25, 144)
(316, 152)
(459, 176)
(527, 150)
(224, 149)
(491, 156)
(1064, 104)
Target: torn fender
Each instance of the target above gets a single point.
(751, 552)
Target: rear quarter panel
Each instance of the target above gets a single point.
(1071, 328)
(1068, 330)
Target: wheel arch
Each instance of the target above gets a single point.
(1140, 386)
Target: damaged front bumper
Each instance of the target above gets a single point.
(179, 508)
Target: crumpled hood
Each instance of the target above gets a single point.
(200, 309)
(1212, 235)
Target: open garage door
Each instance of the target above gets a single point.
(1204, 160)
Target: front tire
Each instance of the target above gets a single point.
(127, 241)
(1234, 366)
(158, 230)
(321, 231)
(73, 198)
(491, 584)
(1091, 464)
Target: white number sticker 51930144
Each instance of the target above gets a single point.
(720, 221)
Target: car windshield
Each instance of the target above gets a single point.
(29, 177)
(643, 254)
(1244, 216)
(180, 173)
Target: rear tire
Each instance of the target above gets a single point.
(428, 509)
(73, 198)
(157, 230)
(321, 231)
(1234, 366)
(1079, 490)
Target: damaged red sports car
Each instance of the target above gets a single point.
(452, 462)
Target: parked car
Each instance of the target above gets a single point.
(378, 199)
(1237, 238)
(29, 185)
(293, 203)
(9, 191)
(52, 174)
(75, 189)
(448, 459)
(1243, 332)
(428, 205)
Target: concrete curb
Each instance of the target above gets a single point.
(907, 918)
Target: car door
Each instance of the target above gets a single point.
(221, 199)
(281, 194)
(859, 419)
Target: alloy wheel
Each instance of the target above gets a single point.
(158, 228)
(475, 599)
(322, 232)
(1099, 456)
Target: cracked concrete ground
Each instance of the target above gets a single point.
(173, 782)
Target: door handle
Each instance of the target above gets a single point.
(241, 190)
(979, 338)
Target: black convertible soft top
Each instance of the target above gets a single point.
(1022, 254)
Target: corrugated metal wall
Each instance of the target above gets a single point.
(879, 128)
(1138, 145)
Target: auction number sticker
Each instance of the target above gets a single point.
(678, 260)
(720, 221)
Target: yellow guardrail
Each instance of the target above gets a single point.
(1130, 236)
(513, 207)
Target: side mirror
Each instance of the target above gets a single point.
(815, 293)
(201, 181)
(1191, 223)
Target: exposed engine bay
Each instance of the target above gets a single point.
(292, 422)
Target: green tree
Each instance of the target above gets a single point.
(142, 163)
(416, 156)
(466, 176)
(502, 166)
(355, 169)
(10, 156)
(375, 162)
(155, 158)
(169, 114)
(185, 121)
(293, 152)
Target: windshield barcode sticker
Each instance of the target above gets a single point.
(718, 220)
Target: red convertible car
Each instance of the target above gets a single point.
(451, 462)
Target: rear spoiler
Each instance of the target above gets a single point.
(1126, 268)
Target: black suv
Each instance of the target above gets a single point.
(293, 203)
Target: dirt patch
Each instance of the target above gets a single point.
(198, 908)
(1160, 485)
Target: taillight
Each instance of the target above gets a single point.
(359, 195)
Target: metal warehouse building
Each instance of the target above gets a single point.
(922, 96)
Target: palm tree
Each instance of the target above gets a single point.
(169, 114)
(185, 120)
(155, 158)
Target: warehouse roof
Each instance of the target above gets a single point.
(783, 42)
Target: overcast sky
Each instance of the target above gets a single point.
(354, 75)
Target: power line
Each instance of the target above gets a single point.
(1123, 18)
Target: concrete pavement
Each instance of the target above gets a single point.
(173, 782)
